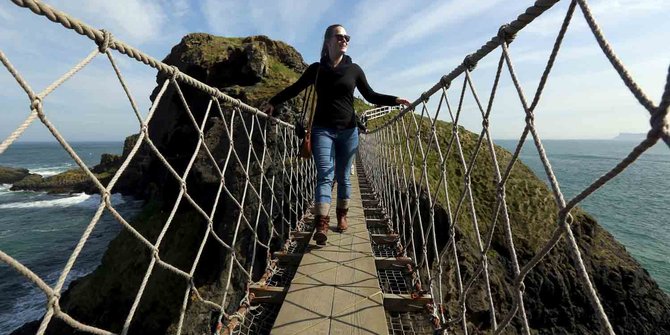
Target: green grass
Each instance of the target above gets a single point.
(532, 210)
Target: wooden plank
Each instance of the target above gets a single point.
(384, 238)
(268, 294)
(358, 300)
(392, 262)
(405, 302)
(288, 258)
(336, 290)
(306, 310)
(308, 304)
(300, 235)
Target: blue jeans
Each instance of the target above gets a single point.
(333, 151)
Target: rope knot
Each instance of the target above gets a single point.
(238, 316)
(173, 72)
(500, 190)
(469, 62)
(445, 82)
(106, 41)
(36, 104)
(106, 198)
(154, 254)
(144, 128)
(485, 123)
(659, 121)
(530, 118)
(467, 179)
(53, 301)
(425, 97)
(505, 34)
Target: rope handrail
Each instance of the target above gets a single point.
(508, 30)
(105, 40)
(282, 197)
(401, 154)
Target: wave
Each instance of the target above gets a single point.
(80, 200)
(48, 171)
(5, 187)
(30, 306)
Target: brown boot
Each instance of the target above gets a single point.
(342, 219)
(321, 225)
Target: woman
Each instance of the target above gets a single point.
(334, 131)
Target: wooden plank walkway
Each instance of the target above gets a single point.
(335, 289)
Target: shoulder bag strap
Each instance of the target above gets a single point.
(312, 108)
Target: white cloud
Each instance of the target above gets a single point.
(606, 12)
(282, 19)
(427, 22)
(404, 46)
(177, 8)
(133, 21)
(370, 20)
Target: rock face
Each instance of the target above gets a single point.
(555, 296)
(252, 69)
(77, 181)
(10, 175)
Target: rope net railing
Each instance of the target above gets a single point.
(424, 174)
(399, 156)
(267, 203)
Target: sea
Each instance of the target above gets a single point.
(40, 230)
(634, 206)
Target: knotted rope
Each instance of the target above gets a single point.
(272, 192)
(402, 153)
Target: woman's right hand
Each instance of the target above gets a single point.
(403, 101)
(268, 109)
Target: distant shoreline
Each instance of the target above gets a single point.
(617, 138)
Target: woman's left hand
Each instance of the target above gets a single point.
(402, 101)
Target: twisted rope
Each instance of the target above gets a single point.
(400, 191)
(531, 13)
(269, 194)
(390, 155)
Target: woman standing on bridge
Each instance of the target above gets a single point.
(334, 133)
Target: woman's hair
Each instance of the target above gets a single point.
(328, 34)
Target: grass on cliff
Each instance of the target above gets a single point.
(530, 203)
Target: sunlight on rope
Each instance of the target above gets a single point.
(293, 184)
(398, 154)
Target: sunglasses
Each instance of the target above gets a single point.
(342, 37)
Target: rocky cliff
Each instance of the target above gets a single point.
(254, 68)
(555, 297)
(250, 69)
(9, 175)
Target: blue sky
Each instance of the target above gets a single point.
(403, 46)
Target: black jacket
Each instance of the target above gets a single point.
(335, 92)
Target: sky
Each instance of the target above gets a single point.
(403, 46)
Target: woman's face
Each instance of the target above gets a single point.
(338, 42)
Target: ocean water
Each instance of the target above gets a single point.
(634, 206)
(41, 230)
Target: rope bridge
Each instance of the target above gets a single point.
(396, 156)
